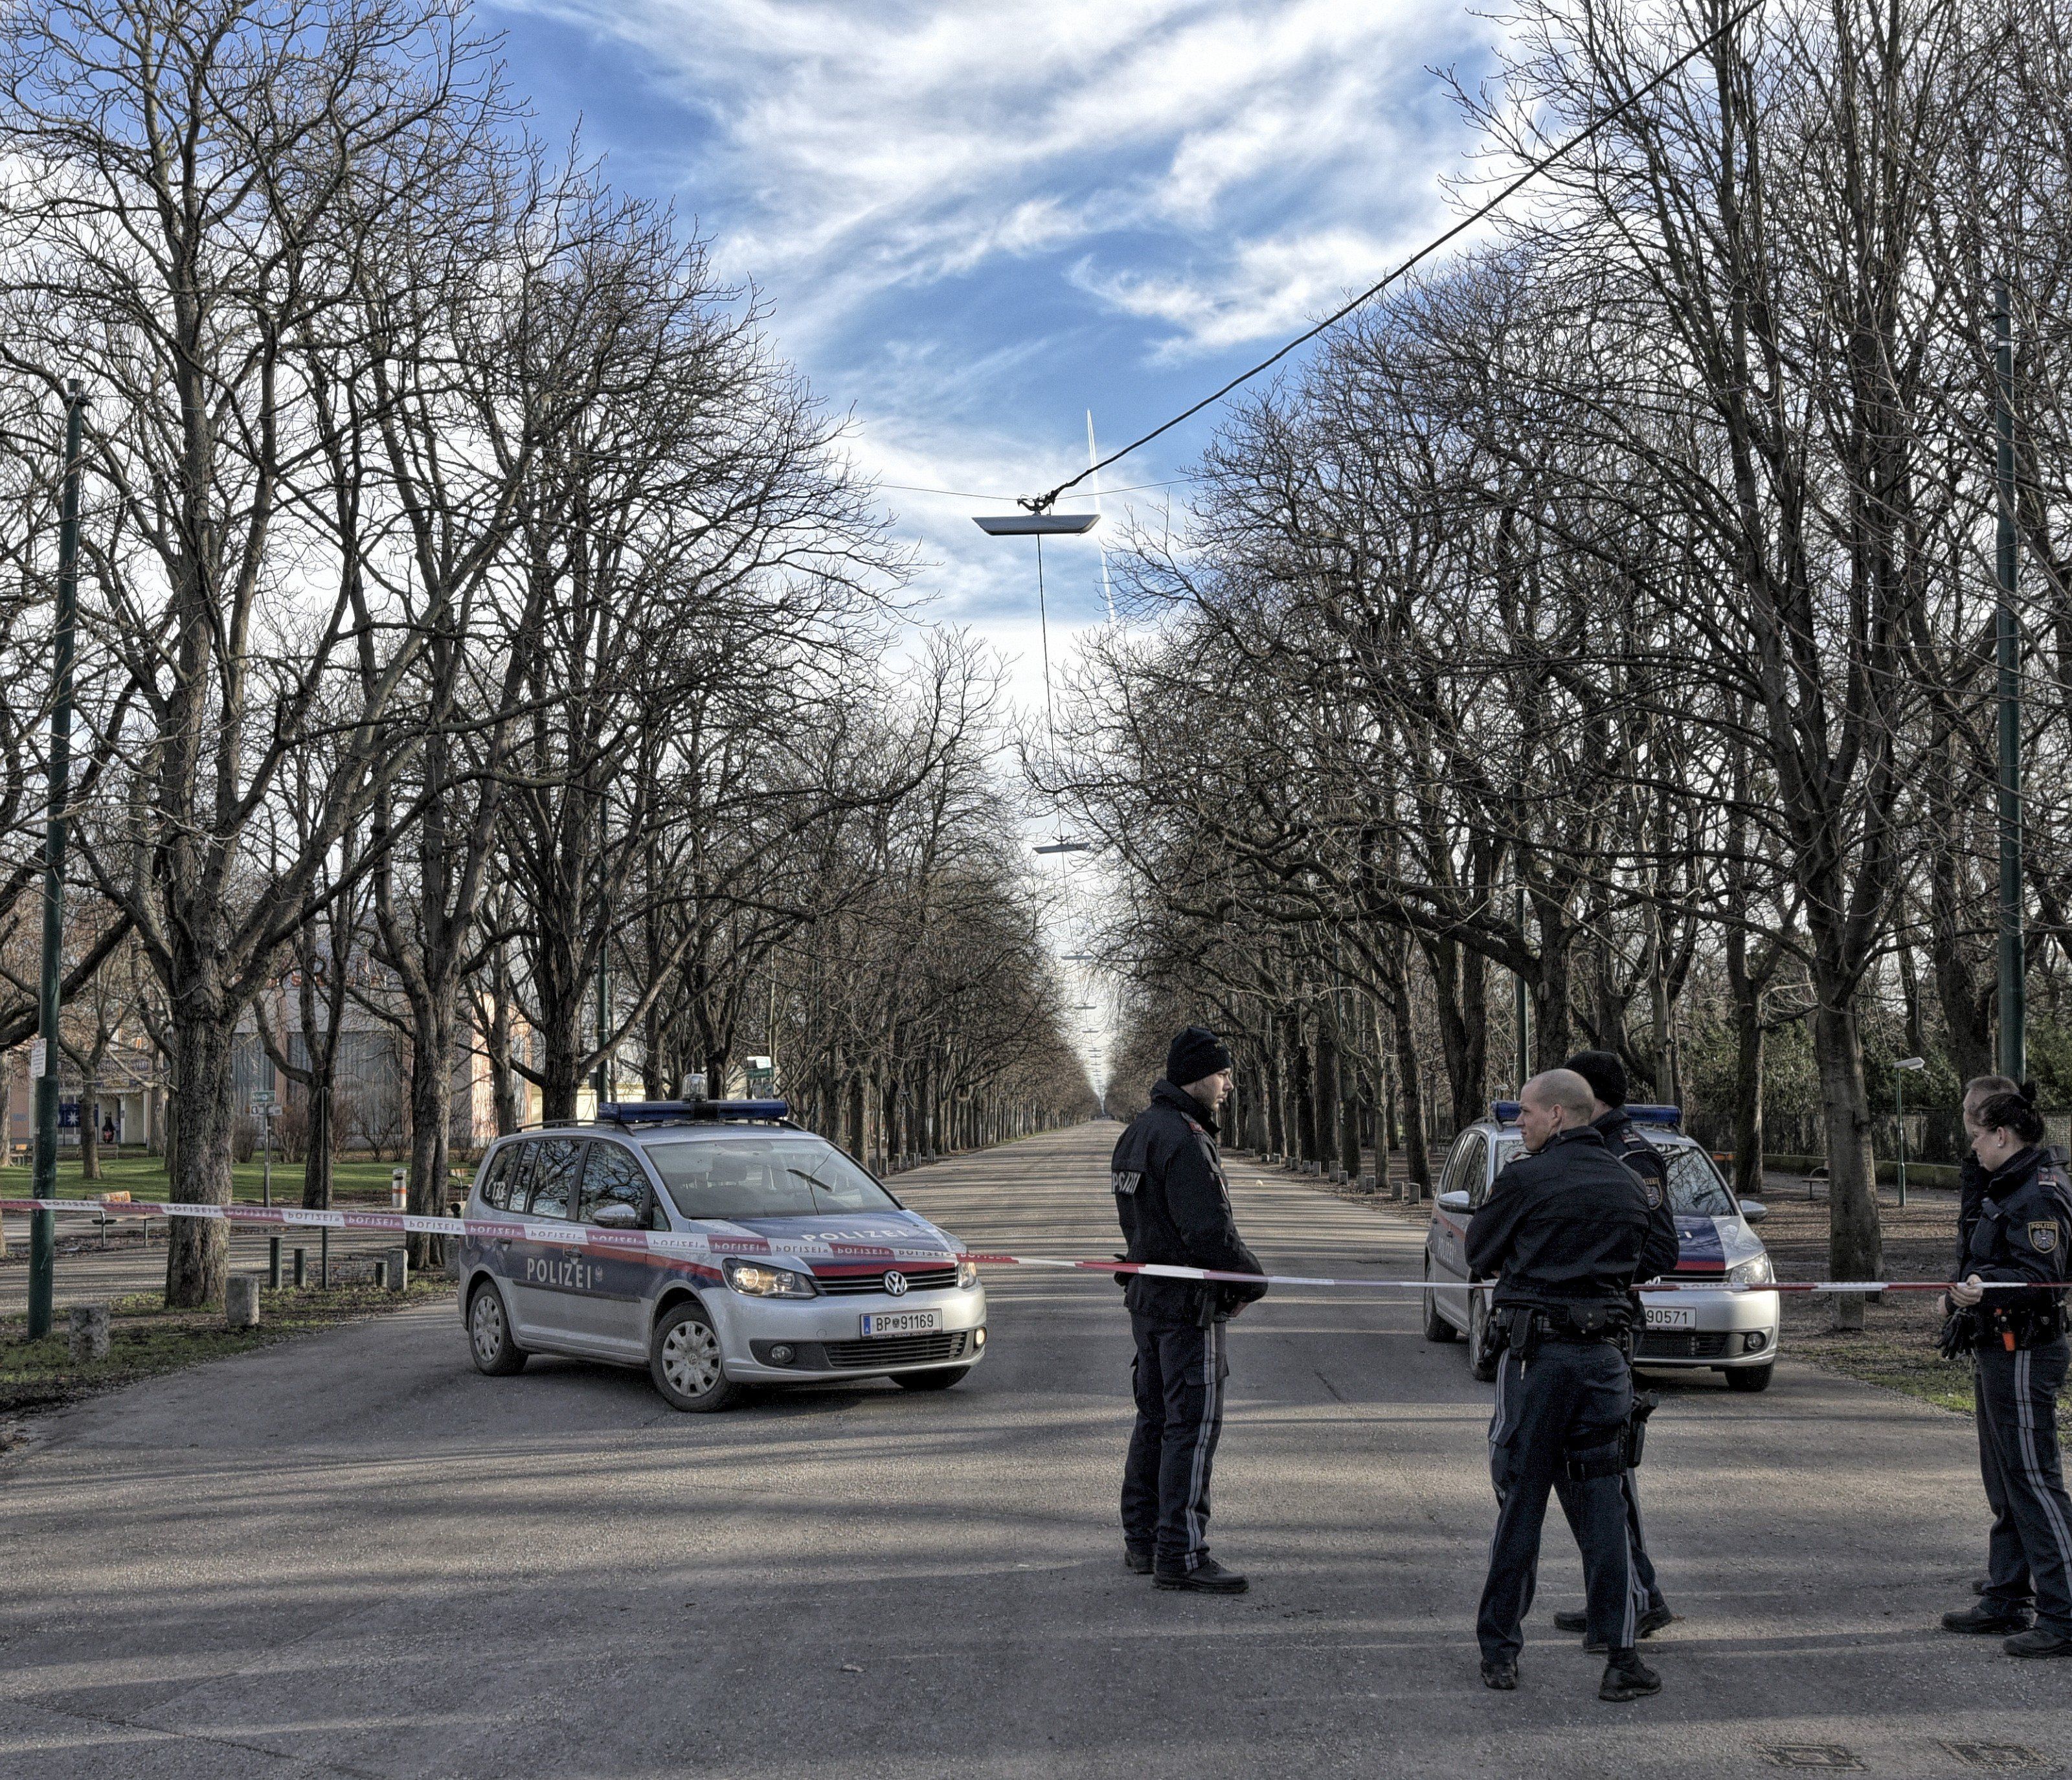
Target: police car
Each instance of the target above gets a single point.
(1733, 1332)
(723, 1246)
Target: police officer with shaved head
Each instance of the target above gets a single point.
(1606, 1075)
(1175, 1212)
(1565, 1231)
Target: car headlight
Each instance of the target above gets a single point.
(1758, 1272)
(759, 1280)
(967, 1273)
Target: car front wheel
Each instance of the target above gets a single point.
(489, 1340)
(1749, 1378)
(684, 1361)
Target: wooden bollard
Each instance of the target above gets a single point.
(240, 1302)
(399, 1270)
(89, 1331)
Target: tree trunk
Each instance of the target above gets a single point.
(1327, 1096)
(431, 1121)
(197, 1249)
(1749, 1041)
(322, 1148)
(1854, 1248)
(1305, 1098)
(1416, 1148)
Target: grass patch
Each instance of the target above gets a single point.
(143, 1177)
(145, 1338)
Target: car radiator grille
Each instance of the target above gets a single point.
(858, 1356)
(918, 1279)
(1682, 1344)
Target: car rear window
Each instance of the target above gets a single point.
(553, 1177)
(1695, 1190)
(764, 1178)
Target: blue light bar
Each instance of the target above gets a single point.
(1505, 1112)
(684, 1112)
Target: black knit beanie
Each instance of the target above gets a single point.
(1196, 1053)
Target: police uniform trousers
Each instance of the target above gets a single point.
(1651, 1597)
(1572, 1397)
(2030, 1552)
(1179, 1373)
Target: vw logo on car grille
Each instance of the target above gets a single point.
(896, 1285)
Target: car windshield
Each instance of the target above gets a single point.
(764, 1178)
(1695, 1190)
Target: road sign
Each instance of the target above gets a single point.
(263, 1100)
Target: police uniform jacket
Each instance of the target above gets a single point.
(1571, 1224)
(2022, 1231)
(1623, 1139)
(1970, 1188)
(1174, 1206)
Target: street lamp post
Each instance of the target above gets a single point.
(1905, 1066)
(2013, 1008)
(43, 1225)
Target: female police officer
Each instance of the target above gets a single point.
(2019, 1241)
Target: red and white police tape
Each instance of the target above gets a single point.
(662, 1245)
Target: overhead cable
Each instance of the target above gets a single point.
(1042, 503)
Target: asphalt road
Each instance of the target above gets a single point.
(355, 1556)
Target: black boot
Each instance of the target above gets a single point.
(1138, 1561)
(1988, 1616)
(1627, 1678)
(1207, 1578)
(1501, 1675)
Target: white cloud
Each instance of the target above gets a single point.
(860, 148)
(1266, 288)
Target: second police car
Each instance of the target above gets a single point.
(790, 1264)
(1728, 1330)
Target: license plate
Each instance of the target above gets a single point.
(1667, 1318)
(901, 1322)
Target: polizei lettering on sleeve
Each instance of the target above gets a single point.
(1125, 1183)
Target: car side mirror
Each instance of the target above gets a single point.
(1455, 1202)
(617, 1215)
(1754, 1210)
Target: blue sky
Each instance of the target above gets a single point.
(975, 219)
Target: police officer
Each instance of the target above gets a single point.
(2019, 1232)
(1565, 1231)
(1606, 1075)
(1174, 1206)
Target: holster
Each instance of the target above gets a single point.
(1607, 1459)
(1645, 1404)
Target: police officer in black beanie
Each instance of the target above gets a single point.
(1174, 1207)
(2019, 1233)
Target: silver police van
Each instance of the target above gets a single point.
(720, 1246)
(1731, 1331)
